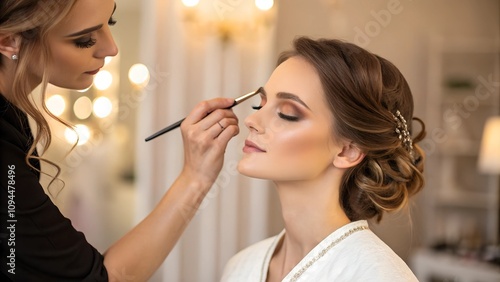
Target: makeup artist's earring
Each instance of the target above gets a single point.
(14, 57)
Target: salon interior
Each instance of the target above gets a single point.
(175, 53)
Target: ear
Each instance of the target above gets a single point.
(350, 156)
(9, 44)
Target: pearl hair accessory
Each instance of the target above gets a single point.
(402, 131)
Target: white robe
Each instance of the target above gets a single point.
(360, 256)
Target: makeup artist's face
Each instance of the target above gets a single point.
(80, 43)
(290, 136)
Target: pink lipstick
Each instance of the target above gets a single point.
(251, 147)
(93, 72)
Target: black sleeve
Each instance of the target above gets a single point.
(37, 242)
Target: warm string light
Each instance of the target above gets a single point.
(190, 3)
(264, 5)
(229, 20)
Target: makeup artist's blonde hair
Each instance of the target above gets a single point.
(364, 92)
(32, 20)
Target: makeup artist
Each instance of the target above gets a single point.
(65, 42)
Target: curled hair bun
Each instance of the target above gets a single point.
(365, 92)
(383, 183)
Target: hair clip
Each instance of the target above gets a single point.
(402, 132)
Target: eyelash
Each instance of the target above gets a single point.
(281, 115)
(112, 21)
(86, 44)
(91, 41)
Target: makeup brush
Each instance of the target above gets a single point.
(237, 101)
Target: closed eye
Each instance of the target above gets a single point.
(287, 117)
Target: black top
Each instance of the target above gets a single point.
(37, 242)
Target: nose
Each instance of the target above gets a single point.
(108, 46)
(113, 50)
(253, 123)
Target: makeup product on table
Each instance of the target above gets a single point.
(237, 101)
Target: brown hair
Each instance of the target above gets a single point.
(364, 92)
(32, 20)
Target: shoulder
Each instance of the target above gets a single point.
(247, 265)
(365, 255)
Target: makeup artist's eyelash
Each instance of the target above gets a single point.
(86, 43)
(91, 41)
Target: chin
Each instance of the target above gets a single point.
(80, 84)
(252, 170)
(246, 169)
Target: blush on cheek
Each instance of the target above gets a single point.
(303, 143)
(307, 150)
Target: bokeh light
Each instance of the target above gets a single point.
(56, 104)
(102, 107)
(84, 90)
(190, 3)
(103, 80)
(139, 75)
(81, 133)
(82, 107)
(264, 5)
(107, 60)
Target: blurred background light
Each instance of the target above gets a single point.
(139, 75)
(56, 104)
(82, 107)
(84, 90)
(102, 107)
(107, 60)
(103, 80)
(190, 3)
(264, 5)
(80, 133)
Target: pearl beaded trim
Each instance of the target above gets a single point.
(301, 271)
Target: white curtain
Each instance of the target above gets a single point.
(186, 67)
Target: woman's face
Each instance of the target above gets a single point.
(80, 43)
(291, 135)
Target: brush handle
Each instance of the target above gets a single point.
(177, 124)
(165, 130)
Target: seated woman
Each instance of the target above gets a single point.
(333, 132)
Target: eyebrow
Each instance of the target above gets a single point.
(85, 31)
(90, 29)
(286, 95)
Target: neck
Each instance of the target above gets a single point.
(7, 75)
(311, 211)
(6, 79)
